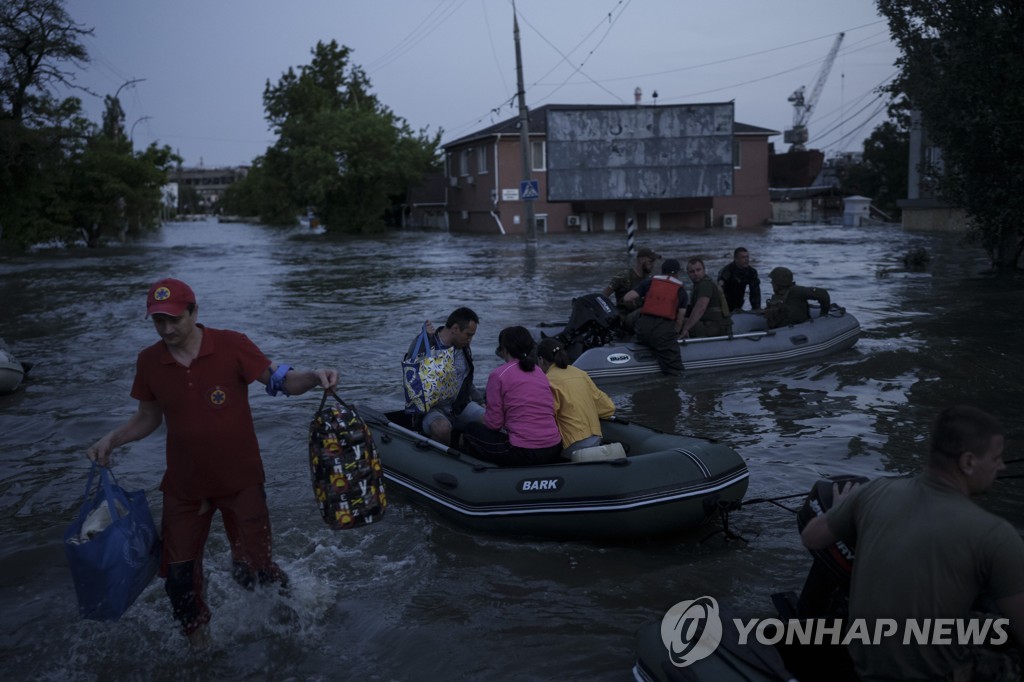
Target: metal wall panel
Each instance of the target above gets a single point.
(648, 152)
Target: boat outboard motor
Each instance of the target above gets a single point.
(592, 324)
(828, 583)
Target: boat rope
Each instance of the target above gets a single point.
(775, 501)
(724, 508)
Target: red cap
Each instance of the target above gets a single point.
(169, 297)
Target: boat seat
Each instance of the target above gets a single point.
(599, 453)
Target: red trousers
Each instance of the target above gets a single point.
(186, 526)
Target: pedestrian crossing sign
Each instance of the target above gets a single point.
(528, 190)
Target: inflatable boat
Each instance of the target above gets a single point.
(660, 483)
(600, 354)
(12, 372)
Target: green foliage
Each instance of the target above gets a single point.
(37, 39)
(61, 176)
(882, 173)
(339, 150)
(259, 195)
(962, 66)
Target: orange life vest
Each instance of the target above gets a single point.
(662, 298)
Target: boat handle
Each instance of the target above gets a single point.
(446, 480)
(798, 340)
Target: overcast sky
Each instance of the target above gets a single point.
(450, 64)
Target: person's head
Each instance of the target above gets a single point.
(670, 267)
(172, 305)
(550, 350)
(741, 257)
(782, 278)
(695, 269)
(645, 259)
(968, 443)
(516, 343)
(462, 324)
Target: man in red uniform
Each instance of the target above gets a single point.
(661, 316)
(197, 378)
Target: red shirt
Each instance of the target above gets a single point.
(212, 449)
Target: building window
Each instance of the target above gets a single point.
(464, 162)
(736, 154)
(538, 160)
(481, 159)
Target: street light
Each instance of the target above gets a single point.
(126, 84)
(131, 132)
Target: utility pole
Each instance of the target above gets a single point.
(524, 137)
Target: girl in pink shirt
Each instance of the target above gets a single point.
(519, 427)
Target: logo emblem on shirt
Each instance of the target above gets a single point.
(218, 396)
(161, 294)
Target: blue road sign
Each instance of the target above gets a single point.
(529, 190)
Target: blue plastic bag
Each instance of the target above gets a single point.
(111, 563)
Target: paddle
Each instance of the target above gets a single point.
(374, 417)
(748, 335)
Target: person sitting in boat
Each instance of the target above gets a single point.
(519, 426)
(627, 280)
(465, 408)
(579, 404)
(738, 277)
(708, 313)
(789, 304)
(661, 315)
(925, 552)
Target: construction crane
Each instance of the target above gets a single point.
(802, 107)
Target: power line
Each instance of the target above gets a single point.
(434, 19)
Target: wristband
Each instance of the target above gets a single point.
(276, 383)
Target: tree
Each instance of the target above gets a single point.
(114, 190)
(339, 150)
(962, 67)
(61, 176)
(882, 172)
(38, 38)
(38, 41)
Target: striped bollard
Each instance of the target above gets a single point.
(630, 238)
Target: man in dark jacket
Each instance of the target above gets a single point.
(458, 332)
(738, 276)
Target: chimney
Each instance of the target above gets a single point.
(637, 95)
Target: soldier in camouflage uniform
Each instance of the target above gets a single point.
(789, 303)
(627, 280)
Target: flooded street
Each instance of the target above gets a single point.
(412, 597)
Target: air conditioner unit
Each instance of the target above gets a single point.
(729, 220)
(453, 181)
(573, 221)
(470, 180)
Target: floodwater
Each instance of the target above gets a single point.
(411, 597)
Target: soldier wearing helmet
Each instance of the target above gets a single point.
(789, 304)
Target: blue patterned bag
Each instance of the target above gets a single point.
(112, 548)
(428, 375)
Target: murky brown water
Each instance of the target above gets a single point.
(412, 598)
